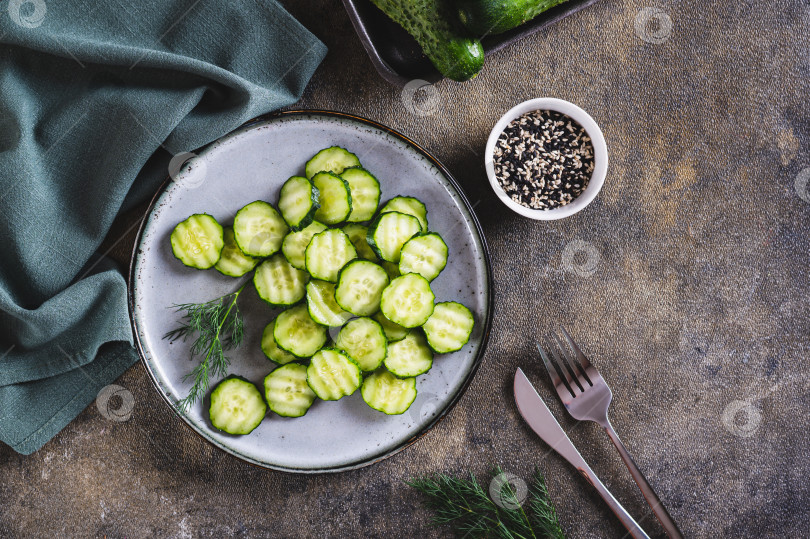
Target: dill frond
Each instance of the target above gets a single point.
(218, 327)
(470, 511)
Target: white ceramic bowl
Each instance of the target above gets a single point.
(599, 148)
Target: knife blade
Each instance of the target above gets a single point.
(537, 415)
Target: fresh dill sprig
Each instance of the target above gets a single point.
(465, 506)
(219, 327)
(540, 507)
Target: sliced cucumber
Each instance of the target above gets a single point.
(259, 229)
(295, 244)
(425, 254)
(449, 327)
(278, 283)
(237, 406)
(198, 241)
(393, 332)
(297, 333)
(333, 375)
(408, 300)
(409, 206)
(327, 253)
(360, 286)
(334, 159)
(365, 191)
(298, 202)
(335, 198)
(389, 232)
(286, 390)
(233, 262)
(409, 357)
(357, 235)
(363, 339)
(388, 394)
(322, 305)
(271, 349)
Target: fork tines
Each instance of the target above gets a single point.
(569, 366)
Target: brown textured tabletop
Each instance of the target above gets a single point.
(686, 281)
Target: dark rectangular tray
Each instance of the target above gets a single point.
(398, 57)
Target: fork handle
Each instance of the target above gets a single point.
(657, 506)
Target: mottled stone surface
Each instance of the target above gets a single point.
(690, 293)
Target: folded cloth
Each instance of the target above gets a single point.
(96, 96)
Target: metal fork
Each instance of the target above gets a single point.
(587, 396)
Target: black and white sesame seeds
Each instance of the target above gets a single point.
(543, 159)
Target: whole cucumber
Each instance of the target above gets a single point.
(443, 39)
(488, 17)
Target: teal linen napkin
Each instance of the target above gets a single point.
(95, 99)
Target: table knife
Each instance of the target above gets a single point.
(539, 418)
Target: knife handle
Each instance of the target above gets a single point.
(621, 513)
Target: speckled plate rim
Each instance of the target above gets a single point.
(452, 401)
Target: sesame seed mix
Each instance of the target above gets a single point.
(543, 159)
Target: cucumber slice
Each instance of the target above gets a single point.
(408, 300)
(449, 327)
(259, 229)
(298, 202)
(335, 198)
(278, 283)
(360, 286)
(237, 406)
(393, 332)
(295, 244)
(365, 191)
(322, 305)
(333, 375)
(198, 241)
(389, 232)
(271, 349)
(363, 339)
(425, 254)
(409, 357)
(327, 253)
(388, 394)
(357, 235)
(286, 390)
(334, 159)
(233, 262)
(408, 206)
(297, 333)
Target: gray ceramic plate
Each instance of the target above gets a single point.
(252, 163)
